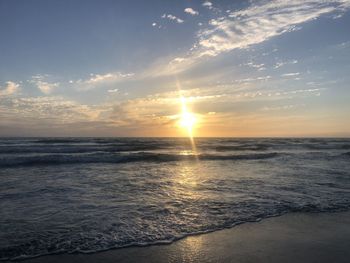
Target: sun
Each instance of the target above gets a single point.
(187, 119)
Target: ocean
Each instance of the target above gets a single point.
(67, 195)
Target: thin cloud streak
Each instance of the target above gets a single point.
(100, 80)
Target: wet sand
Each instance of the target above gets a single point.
(296, 237)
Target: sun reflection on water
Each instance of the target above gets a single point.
(192, 248)
(186, 176)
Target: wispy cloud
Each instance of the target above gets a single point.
(261, 78)
(10, 89)
(42, 84)
(98, 80)
(113, 90)
(255, 24)
(283, 63)
(261, 21)
(54, 108)
(190, 11)
(208, 4)
(52, 114)
(343, 45)
(173, 18)
(284, 107)
(293, 74)
(259, 67)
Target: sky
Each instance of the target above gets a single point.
(122, 68)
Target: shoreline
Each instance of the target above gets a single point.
(292, 237)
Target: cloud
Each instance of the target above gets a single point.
(113, 90)
(173, 18)
(191, 11)
(207, 4)
(98, 80)
(283, 107)
(10, 89)
(283, 63)
(343, 45)
(247, 80)
(155, 114)
(54, 108)
(291, 74)
(260, 22)
(259, 67)
(53, 115)
(43, 85)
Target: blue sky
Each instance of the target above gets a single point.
(118, 68)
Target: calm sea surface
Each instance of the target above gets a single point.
(92, 194)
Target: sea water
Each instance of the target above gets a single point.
(66, 195)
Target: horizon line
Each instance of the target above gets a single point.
(183, 137)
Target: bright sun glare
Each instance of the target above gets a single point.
(188, 119)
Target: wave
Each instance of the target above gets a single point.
(75, 148)
(87, 244)
(56, 159)
(115, 148)
(256, 147)
(326, 146)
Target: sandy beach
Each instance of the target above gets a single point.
(295, 237)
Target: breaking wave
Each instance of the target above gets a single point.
(98, 157)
